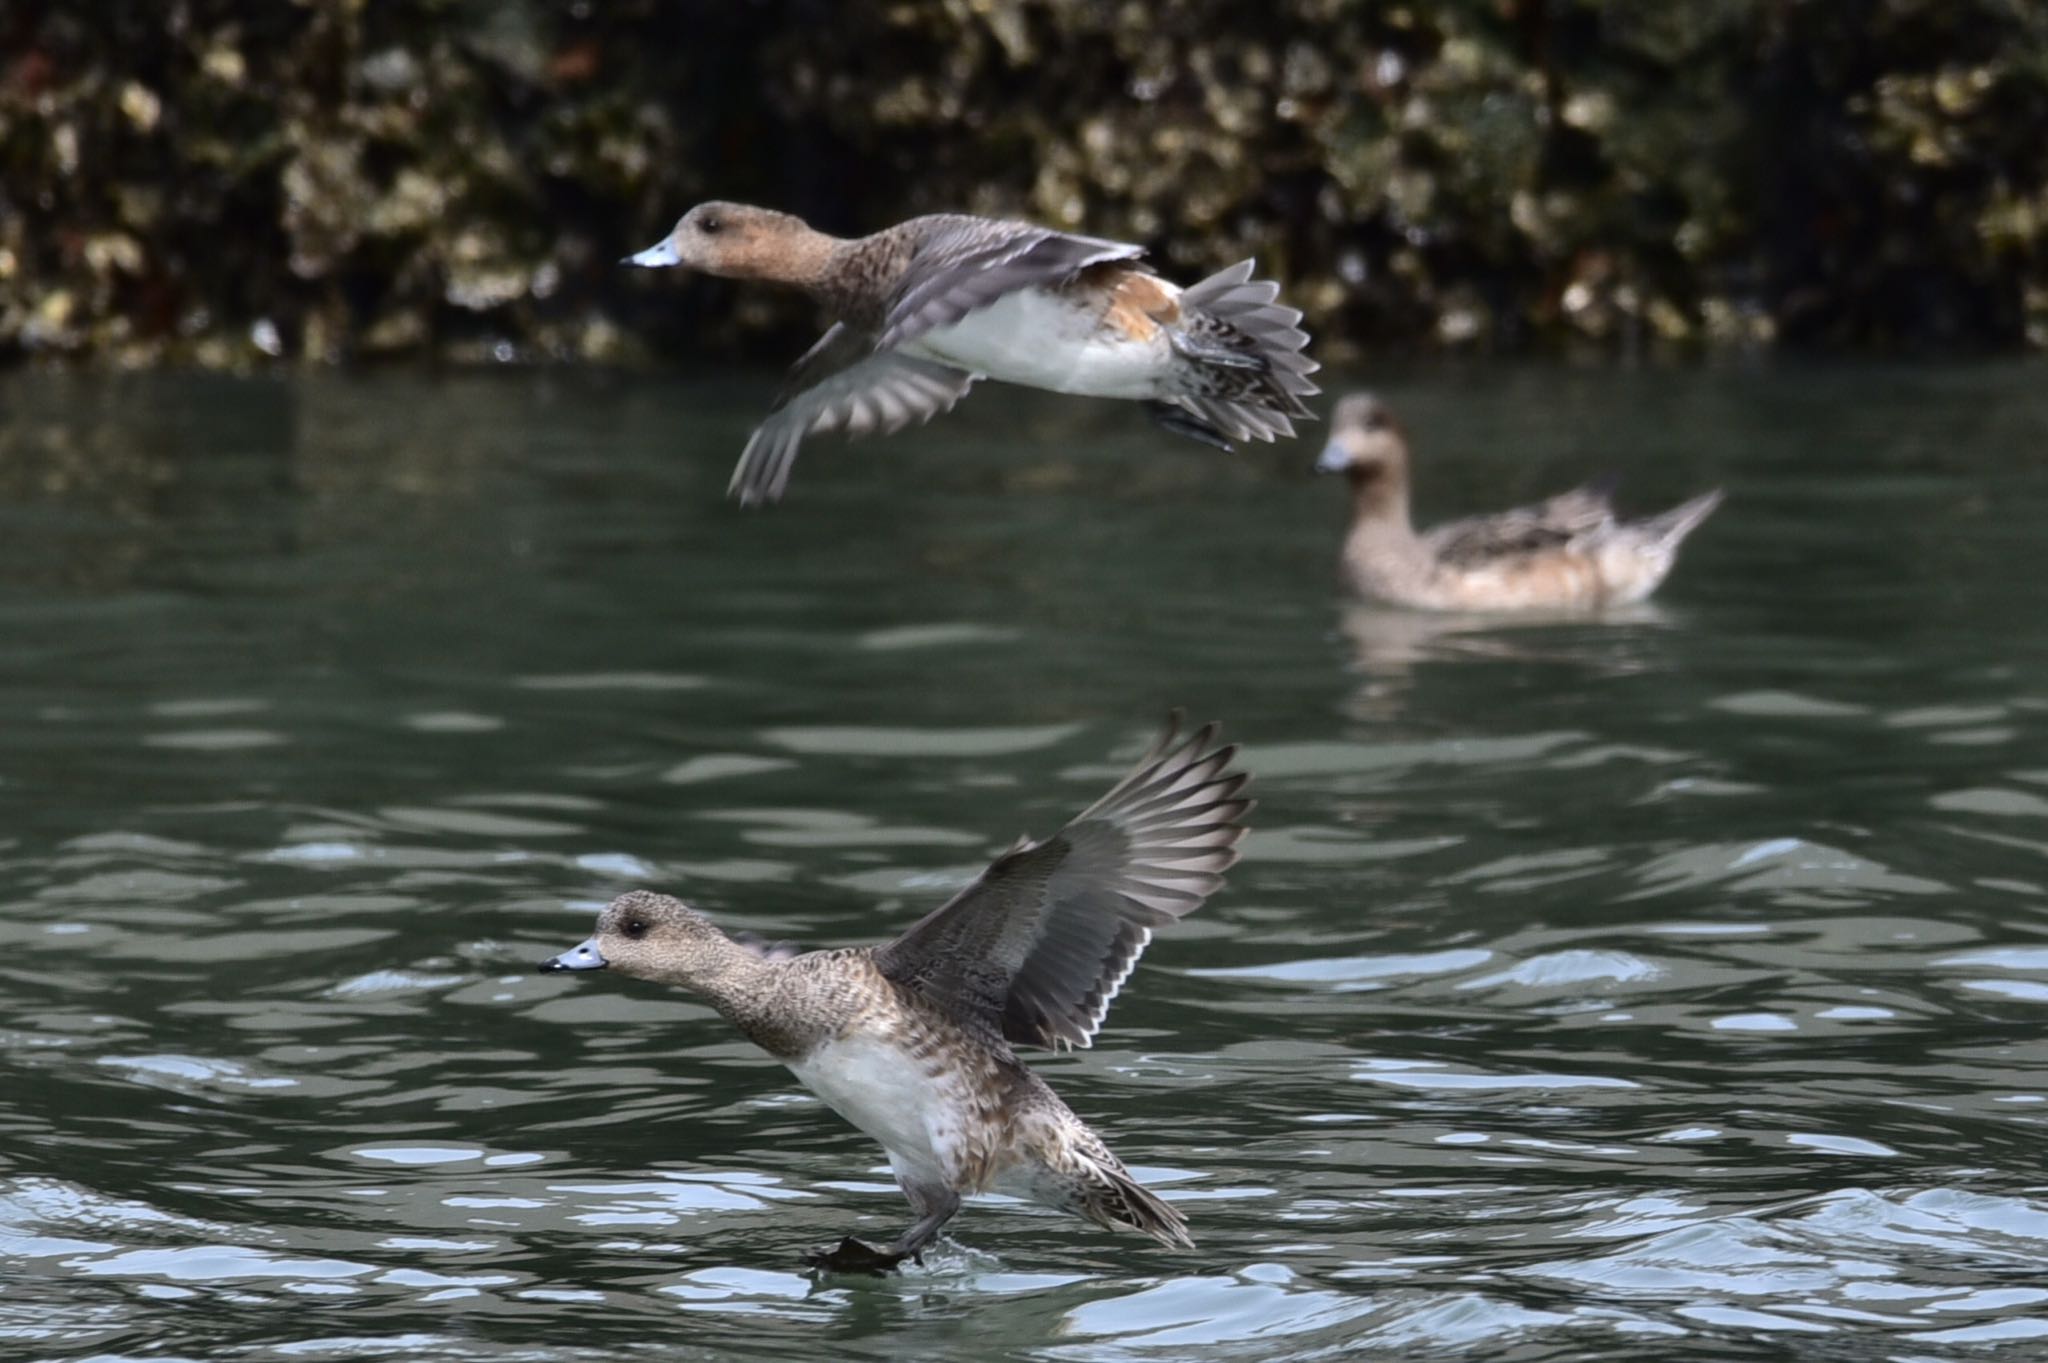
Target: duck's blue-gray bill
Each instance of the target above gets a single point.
(661, 253)
(584, 957)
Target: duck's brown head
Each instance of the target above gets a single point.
(1366, 443)
(739, 241)
(653, 937)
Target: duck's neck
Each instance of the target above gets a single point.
(855, 277)
(848, 277)
(721, 970)
(1379, 511)
(757, 995)
(811, 260)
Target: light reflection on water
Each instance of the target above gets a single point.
(1664, 987)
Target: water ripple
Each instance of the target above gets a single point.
(1659, 987)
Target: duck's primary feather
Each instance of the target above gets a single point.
(1038, 946)
(843, 384)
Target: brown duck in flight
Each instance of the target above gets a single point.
(926, 307)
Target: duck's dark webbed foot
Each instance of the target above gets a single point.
(934, 1204)
(857, 1256)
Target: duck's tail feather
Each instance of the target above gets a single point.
(1669, 529)
(1246, 373)
(1183, 421)
(1113, 1198)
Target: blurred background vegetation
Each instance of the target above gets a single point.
(224, 182)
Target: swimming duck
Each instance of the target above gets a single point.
(1568, 553)
(915, 1041)
(926, 307)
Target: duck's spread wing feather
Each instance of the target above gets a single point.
(842, 384)
(1039, 945)
(961, 264)
(1523, 529)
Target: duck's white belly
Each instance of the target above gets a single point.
(1044, 340)
(888, 1095)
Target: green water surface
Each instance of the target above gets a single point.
(1662, 988)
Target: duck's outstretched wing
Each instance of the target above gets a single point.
(963, 263)
(1040, 944)
(1524, 529)
(842, 384)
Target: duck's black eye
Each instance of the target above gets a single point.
(635, 928)
(709, 224)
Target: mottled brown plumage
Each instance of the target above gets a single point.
(913, 1040)
(925, 308)
(1568, 553)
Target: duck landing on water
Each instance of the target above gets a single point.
(926, 307)
(913, 1041)
(1565, 554)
